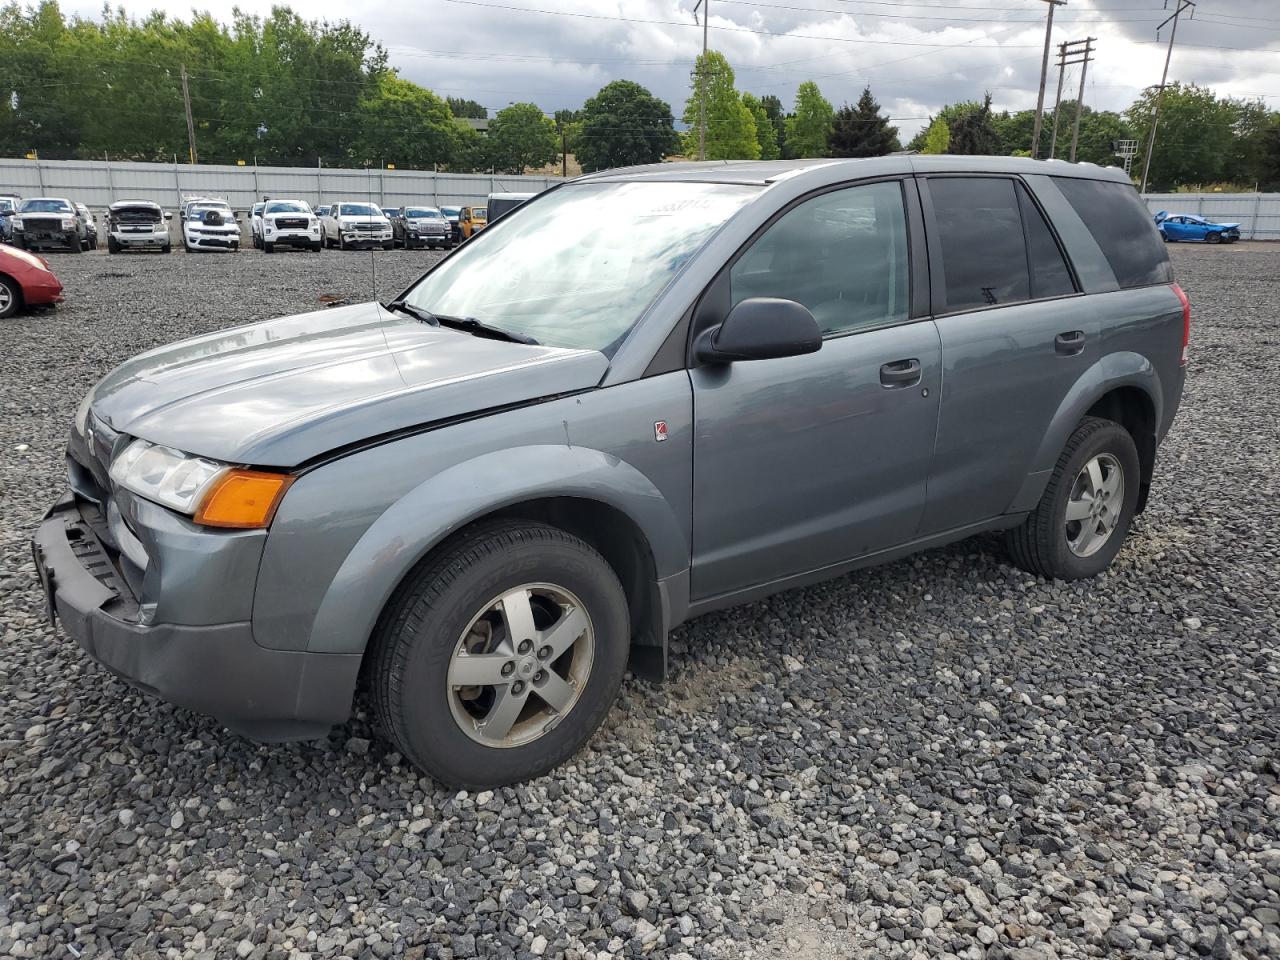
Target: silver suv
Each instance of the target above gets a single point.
(489, 496)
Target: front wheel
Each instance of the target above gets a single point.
(498, 658)
(10, 297)
(1213, 238)
(112, 246)
(1084, 514)
(268, 247)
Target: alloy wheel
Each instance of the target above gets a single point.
(520, 665)
(1095, 505)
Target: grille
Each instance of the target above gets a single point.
(42, 223)
(290, 223)
(369, 227)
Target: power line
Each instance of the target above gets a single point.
(1155, 110)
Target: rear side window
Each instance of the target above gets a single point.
(1122, 227)
(1050, 276)
(984, 256)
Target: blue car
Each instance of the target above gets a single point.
(1187, 226)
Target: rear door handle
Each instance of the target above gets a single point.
(1069, 343)
(900, 373)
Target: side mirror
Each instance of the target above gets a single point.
(761, 328)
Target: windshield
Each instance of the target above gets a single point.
(287, 206)
(46, 206)
(422, 213)
(451, 211)
(202, 213)
(478, 213)
(579, 268)
(358, 210)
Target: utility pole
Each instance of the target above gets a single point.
(1069, 52)
(1155, 111)
(1044, 73)
(191, 125)
(1084, 65)
(702, 77)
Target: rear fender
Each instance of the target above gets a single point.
(439, 507)
(1121, 369)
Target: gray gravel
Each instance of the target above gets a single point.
(942, 757)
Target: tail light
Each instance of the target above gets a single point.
(1186, 321)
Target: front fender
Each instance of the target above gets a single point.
(408, 529)
(1115, 370)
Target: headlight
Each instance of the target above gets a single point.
(17, 222)
(67, 223)
(211, 493)
(166, 476)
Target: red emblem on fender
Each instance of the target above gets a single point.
(659, 430)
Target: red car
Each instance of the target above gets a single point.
(25, 281)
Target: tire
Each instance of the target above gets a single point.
(268, 247)
(168, 247)
(1164, 236)
(1213, 238)
(1046, 544)
(342, 243)
(316, 247)
(389, 245)
(112, 246)
(74, 244)
(10, 297)
(451, 596)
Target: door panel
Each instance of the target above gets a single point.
(806, 461)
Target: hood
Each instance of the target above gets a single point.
(140, 213)
(288, 390)
(1229, 226)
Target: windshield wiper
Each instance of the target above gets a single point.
(481, 329)
(418, 313)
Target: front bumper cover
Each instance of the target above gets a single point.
(219, 670)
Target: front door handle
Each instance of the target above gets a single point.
(900, 373)
(1069, 343)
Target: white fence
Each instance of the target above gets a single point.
(98, 183)
(1257, 213)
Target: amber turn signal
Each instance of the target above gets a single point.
(243, 499)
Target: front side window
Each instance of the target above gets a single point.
(842, 254)
(583, 269)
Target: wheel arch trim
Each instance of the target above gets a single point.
(470, 491)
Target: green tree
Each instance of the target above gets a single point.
(731, 128)
(623, 125)
(777, 119)
(1192, 138)
(467, 109)
(1269, 156)
(861, 131)
(972, 132)
(933, 139)
(810, 125)
(765, 135)
(521, 137)
(403, 123)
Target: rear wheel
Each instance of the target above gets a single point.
(1085, 512)
(498, 658)
(10, 297)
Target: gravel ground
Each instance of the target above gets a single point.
(941, 757)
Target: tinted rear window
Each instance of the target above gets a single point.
(984, 260)
(1122, 227)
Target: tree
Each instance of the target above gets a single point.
(765, 135)
(623, 125)
(972, 132)
(810, 124)
(1269, 156)
(521, 137)
(1195, 129)
(467, 109)
(861, 131)
(934, 139)
(773, 110)
(731, 128)
(402, 122)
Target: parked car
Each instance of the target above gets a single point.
(289, 223)
(9, 203)
(45, 222)
(644, 395)
(255, 223)
(500, 203)
(452, 214)
(137, 225)
(210, 225)
(356, 224)
(421, 227)
(1186, 226)
(471, 220)
(25, 281)
(89, 224)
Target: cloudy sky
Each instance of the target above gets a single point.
(916, 56)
